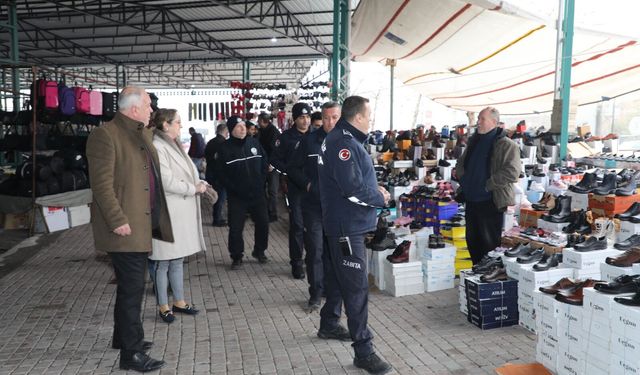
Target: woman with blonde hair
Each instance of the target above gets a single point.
(183, 187)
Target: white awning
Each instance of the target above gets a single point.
(469, 55)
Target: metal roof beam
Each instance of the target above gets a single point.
(153, 17)
(281, 18)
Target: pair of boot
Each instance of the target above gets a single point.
(561, 212)
(436, 241)
(579, 223)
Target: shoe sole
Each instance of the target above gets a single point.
(381, 372)
(325, 336)
(124, 367)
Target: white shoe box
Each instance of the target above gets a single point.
(378, 260)
(56, 218)
(402, 269)
(445, 172)
(571, 338)
(625, 320)
(544, 181)
(571, 362)
(622, 366)
(625, 347)
(635, 269)
(572, 315)
(612, 144)
(405, 290)
(627, 229)
(593, 273)
(598, 353)
(529, 154)
(433, 284)
(595, 368)
(549, 326)
(430, 267)
(553, 151)
(609, 272)
(551, 227)
(513, 268)
(597, 329)
(79, 215)
(446, 253)
(598, 305)
(586, 260)
(397, 191)
(545, 305)
(547, 353)
(531, 280)
(578, 201)
(528, 323)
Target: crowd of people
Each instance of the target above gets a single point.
(146, 214)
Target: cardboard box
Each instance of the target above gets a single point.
(625, 320)
(586, 260)
(571, 362)
(612, 203)
(572, 315)
(17, 220)
(598, 305)
(492, 323)
(79, 215)
(532, 280)
(445, 266)
(627, 229)
(56, 218)
(492, 307)
(626, 347)
(551, 227)
(597, 329)
(529, 217)
(588, 273)
(569, 337)
(514, 268)
(499, 289)
(400, 269)
(446, 253)
(405, 290)
(618, 365)
(435, 284)
(598, 353)
(583, 130)
(545, 305)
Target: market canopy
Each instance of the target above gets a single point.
(469, 55)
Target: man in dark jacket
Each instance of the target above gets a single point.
(196, 148)
(303, 172)
(268, 134)
(487, 170)
(283, 149)
(243, 166)
(350, 195)
(213, 146)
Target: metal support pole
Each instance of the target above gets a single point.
(4, 84)
(335, 54)
(246, 71)
(118, 79)
(567, 8)
(392, 65)
(340, 58)
(14, 55)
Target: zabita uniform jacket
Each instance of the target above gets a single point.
(179, 178)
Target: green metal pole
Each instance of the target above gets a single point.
(335, 55)
(14, 55)
(565, 72)
(345, 58)
(246, 71)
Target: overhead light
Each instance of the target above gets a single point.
(274, 39)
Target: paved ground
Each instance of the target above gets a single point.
(57, 316)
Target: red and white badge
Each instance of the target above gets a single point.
(344, 154)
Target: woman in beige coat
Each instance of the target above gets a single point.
(182, 187)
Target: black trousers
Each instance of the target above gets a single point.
(127, 329)
(315, 244)
(237, 212)
(273, 184)
(347, 280)
(296, 226)
(484, 228)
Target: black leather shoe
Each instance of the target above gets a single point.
(631, 211)
(533, 256)
(608, 185)
(338, 333)
(297, 271)
(518, 250)
(141, 362)
(548, 261)
(146, 345)
(629, 189)
(619, 285)
(586, 185)
(236, 264)
(372, 364)
(487, 264)
(591, 244)
(188, 309)
(627, 244)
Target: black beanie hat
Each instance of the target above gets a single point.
(232, 122)
(300, 109)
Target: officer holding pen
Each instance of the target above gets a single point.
(350, 195)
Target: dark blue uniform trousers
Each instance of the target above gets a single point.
(346, 280)
(315, 244)
(296, 227)
(238, 208)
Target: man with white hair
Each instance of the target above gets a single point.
(128, 209)
(487, 170)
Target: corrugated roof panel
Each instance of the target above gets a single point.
(205, 12)
(286, 51)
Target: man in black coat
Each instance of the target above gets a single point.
(243, 171)
(268, 134)
(213, 146)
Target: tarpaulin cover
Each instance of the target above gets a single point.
(469, 55)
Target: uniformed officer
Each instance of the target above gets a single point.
(283, 150)
(349, 197)
(243, 172)
(303, 172)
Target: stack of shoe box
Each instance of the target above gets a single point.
(456, 236)
(492, 305)
(403, 279)
(438, 268)
(571, 339)
(598, 328)
(609, 272)
(625, 339)
(547, 315)
(586, 265)
(462, 290)
(377, 260)
(529, 281)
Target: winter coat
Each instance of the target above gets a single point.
(179, 178)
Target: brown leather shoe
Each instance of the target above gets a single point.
(563, 284)
(577, 296)
(626, 259)
(546, 203)
(498, 274)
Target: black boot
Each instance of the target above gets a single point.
(578, 224)
(629, 189)
(631, 211)
(586, 185)
(608, 185)
(563, 215)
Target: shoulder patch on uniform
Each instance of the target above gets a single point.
(323, 147)
(254, 151)
(347, 133)
(277, 144)
(344, 154)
